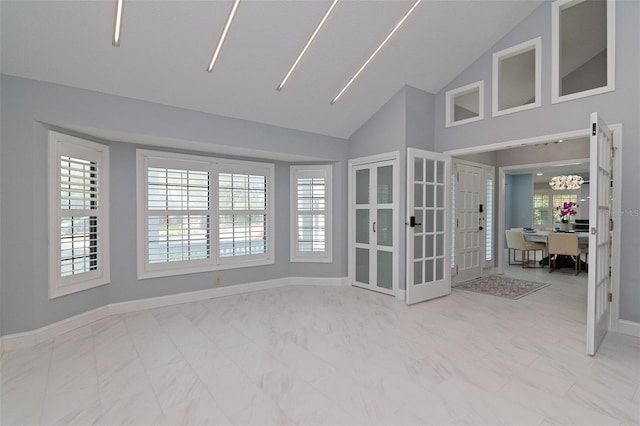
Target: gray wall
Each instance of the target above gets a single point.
(520, 191)
(28, 105)
(619, 106)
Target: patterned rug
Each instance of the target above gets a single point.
(501, 286)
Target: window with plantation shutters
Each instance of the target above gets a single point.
(198, 214)
(311, 213)
(242, 215)
(78, 223)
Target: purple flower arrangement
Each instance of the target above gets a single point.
(567, 209)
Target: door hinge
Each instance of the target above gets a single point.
(457, 223)
(610, 297)
(456, 269)
(458, 177)
(611, 225)
(594, 129)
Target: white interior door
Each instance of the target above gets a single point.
(599, 281)
(375, 242)
(469, 222)
(428, 230)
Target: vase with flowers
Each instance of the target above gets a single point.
(565, 211)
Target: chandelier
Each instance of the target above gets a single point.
(566, 182)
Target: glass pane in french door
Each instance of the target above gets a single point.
(385, 269)
(362, 186)
(362, 265)
(362, 226)
(385, 185)
(384, 227)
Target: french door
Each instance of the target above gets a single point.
(599, 280)
(428, 232)
(374, 195)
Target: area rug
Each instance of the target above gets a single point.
(501, 286)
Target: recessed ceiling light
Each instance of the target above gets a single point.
(306, 46)
(117, 25)
(538, 174)
(375, 52)
(225, 30)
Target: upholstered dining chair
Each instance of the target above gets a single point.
(563, 244)
(516, 241)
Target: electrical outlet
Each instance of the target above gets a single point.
(218, 280)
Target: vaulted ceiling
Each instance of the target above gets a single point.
(166, 47)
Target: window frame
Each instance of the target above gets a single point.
(450, 103)
(326, 172)
(556, 7)
(61, 144)
(214, 166)
(536, 45)
(551, 208)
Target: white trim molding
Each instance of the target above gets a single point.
(630, 328)
(31, 338)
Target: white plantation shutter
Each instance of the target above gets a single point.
(488, 252)
(242, 215)
(311, 213)
(178, 215)
(78, 223)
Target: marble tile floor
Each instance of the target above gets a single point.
(334, 356)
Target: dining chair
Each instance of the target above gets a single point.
(566, 244)
(516, 241)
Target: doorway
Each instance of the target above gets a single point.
(603, 288)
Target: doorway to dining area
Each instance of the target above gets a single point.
(601, 145)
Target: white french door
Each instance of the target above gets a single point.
(599, 280)
(470, 222)
(428, 231)
(374, 212)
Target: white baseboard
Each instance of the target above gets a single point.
(629, 327)
(33, 337)
(193, 296)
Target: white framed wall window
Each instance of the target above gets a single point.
(78, 214)
(198, 214)
(583, 48)
(516, 78)
(311, 211)
(464, 104)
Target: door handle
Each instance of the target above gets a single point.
(413, 223)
